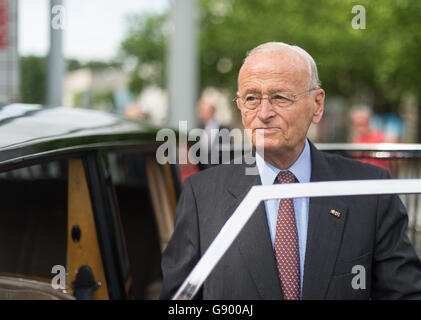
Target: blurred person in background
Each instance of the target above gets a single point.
(361, 126)
(206, 113)
(134, 111)
(363, 133)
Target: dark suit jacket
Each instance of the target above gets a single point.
(371, 232)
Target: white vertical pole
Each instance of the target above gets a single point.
(9, 57)
(55, 63)
(182, 61)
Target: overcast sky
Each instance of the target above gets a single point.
(94, 28)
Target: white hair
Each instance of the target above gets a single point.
(314, 81)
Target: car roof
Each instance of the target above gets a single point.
(28, 130)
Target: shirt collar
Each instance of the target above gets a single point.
(301, 168)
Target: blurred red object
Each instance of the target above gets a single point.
(4, 24)
(373, 137)
(186, 170)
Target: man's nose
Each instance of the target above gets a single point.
(265, 110)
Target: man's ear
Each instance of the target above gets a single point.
(236, 101)
(319, 103)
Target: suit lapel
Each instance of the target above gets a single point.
(254, 241)
(324, 233)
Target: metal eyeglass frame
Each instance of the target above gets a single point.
(270, 97)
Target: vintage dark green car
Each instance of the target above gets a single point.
(81, 193)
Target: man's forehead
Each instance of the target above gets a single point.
(288, 66)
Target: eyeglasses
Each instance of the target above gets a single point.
(281, 99)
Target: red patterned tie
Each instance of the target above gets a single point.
(287, 252)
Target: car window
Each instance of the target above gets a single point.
(33, 213)
(128, 174)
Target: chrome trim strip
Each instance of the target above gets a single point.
(248, 205)
(404, 147)
(410, 147)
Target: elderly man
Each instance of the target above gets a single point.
(291, 249)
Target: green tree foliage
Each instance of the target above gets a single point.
(73, 64)
(33, 75)
(146, 43)
(382, 59)
(33, 78)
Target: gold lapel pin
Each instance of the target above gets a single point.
(335, 213)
